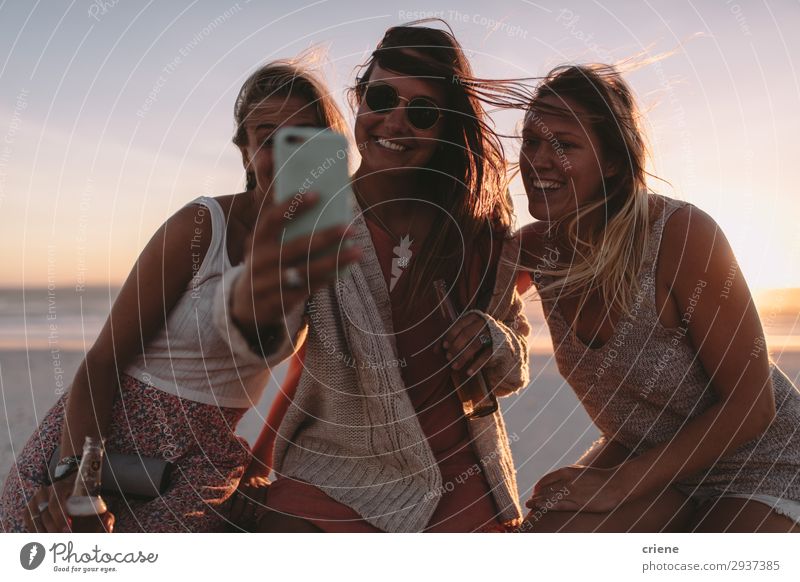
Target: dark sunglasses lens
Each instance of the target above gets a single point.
(422, 113)
(381, 98)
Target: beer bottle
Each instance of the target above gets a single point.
(476, 397)
(86, 507)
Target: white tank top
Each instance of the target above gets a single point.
(189, 358)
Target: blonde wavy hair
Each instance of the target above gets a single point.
(608, 257)
(286, 78)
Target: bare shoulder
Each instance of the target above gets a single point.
(690, 234)
(693, 246)
(226, 203)
(186, 234)
(237, 227)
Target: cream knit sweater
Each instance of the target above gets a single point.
(352, 430)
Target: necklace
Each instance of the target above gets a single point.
(402, 251)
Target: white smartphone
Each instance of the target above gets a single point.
(312, 159)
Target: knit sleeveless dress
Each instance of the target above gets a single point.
(645, 383)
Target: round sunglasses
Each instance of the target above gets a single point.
(422, 113)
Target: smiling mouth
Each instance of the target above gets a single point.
(545, 185)
(390, 145)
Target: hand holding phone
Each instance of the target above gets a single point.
(299, 242)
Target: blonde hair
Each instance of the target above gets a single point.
(610, 255)
(285, 78)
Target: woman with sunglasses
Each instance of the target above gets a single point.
(375, 437)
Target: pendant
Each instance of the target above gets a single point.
(402, 256)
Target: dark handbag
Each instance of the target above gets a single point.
(129, 475)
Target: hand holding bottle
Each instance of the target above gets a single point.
(467, 349)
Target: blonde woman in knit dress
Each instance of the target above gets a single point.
(654, 328)
(159, 381)
(375, 437)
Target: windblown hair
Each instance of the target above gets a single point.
(286, 79)
(609, 257)
(466, 178)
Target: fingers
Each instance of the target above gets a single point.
(552, 496)
(457, 329)
(479, 362)
(541, 493)
(273, 218)
(45, 511)
(47, 524)
(32, 510)
(464, 344)
(300, 249)
(109, 521)
(55, 517)
(464, 331)
(564, 474)
(263, 292)
(33, 521)
(554, 502)
(314, 273)
(272, 295)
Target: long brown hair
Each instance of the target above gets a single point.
(608, 257)
(467, 175)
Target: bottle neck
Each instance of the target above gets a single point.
(89, 482)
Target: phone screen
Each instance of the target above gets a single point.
(310, 159)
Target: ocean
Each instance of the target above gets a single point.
(44, 334)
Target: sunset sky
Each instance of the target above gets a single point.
(115, 114)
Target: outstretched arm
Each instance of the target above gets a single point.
(255, 310)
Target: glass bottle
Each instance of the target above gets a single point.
(86, 507)
(476, 397)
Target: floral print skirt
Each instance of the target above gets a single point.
(200, 439)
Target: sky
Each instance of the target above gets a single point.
(115, 113)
